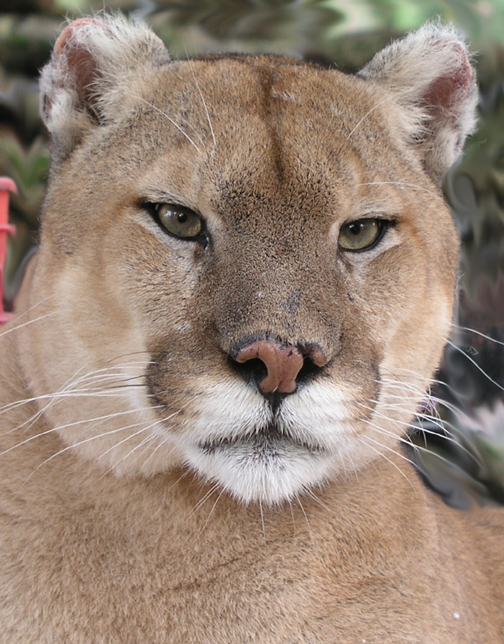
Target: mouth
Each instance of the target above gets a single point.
(269, 464)
(270, 441)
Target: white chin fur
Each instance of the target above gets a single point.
(270, 476)
(254, 468)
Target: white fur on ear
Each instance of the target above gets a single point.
(92, 60)
(430, 74)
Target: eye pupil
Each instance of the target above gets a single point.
(361, 235)
(179, 221)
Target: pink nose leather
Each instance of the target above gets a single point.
(283, 364)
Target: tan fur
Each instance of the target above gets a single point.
(116, 525)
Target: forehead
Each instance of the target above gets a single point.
(257, 98)
(258, 121)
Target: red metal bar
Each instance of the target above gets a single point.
(6, 186)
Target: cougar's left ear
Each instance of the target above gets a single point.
(430, 74)
(88, 79)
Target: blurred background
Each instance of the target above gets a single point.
(457, 441)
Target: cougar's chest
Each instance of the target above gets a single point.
(89, 558)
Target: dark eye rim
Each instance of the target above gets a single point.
(383, 226)
(153, 209)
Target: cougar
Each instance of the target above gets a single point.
(245, 280)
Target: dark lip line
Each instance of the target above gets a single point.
(267, 437)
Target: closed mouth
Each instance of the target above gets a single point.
(268, 440)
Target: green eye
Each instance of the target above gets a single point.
(179, 221)
(359, 235)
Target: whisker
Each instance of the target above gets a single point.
(406, 440)
(309, 492)
(185, 473)
(68, 389)
(80, 422)
(482, 335)
(205, 107)
(368, 438)
(143, 446)
(54, 398)
(289, 501)
(399, 183)
(398, 370)
(203, 499)
(476, 365)
(441, 424)
(262, 520)
(387, 99)
(125, 440)
(305, 516)
(88, 440)
(210, 513)
(409, 386)
(19, 316)
(21, 326)
(172, 122)
(162, 443)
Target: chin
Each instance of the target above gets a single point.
(265, 467)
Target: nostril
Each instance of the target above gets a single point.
(253, 371)
(277, 368)
(315, 354)
(283, 364)
(308, 370)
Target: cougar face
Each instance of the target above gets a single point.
(260, 262)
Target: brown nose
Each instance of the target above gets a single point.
(282, 362)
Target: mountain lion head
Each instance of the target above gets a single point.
(246, 265)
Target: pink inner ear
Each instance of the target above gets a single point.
(81, 63)
(68, 33)
(446, 91)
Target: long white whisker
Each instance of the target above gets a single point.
(203, 499)
(68, 389)
(476, 365)
(21, 326)
(305, 516)
(262, 520)
(210, 513)
(410, 372)
(482, 335)
(406, 440)
(441, 424)
(205, 107)
(96, 420)
(80, 422)
(153, 424)
(143, 446)
(398, 183)
(308, 491)
(92, 438)
(172, 122)
(55, 398)
(162, 443)
(368, 438)
(20, 316)
(387, 99)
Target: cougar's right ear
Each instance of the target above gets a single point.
(86, 81)
(429, 73)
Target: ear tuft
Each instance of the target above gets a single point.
(91, 63)
(431, 76)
